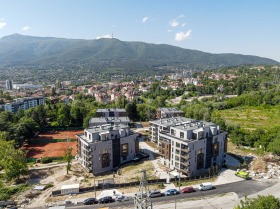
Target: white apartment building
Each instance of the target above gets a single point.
(106, 147)
(190, 146)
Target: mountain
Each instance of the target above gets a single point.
(20, 50)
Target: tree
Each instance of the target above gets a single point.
(68, 157)
(12, 160)
(261, 202)
(132, 111)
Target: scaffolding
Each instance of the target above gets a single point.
(142, 198)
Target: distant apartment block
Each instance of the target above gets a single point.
(9, 84)
(166, 112)
(106, 147)
(190, 146)
(111, 112)
(23, 103)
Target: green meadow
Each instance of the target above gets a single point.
(250, 117)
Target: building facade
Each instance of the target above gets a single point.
(9, 84)
(166, 112)
(189, 146)
(106, 147)
(111, 112)
(23, 103)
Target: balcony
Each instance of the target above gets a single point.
(186, 171)
(185, 163)
(186, 157)
(185, 150)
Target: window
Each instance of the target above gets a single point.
(215, 148)
(178, 145)
(182, 135)
(200, 161)
(173, 132)
(124, 150)
(105, 160)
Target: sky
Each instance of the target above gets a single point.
(217, 26)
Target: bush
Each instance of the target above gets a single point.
(46, 160)
(48, 186)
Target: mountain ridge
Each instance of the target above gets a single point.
(18, 50)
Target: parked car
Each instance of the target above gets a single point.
(67, 202)
(155, 193)
(122, 198)
(107, 199)
(188, 189)
(205, 186)
(90, 201)
(171, 192)
(243, 174)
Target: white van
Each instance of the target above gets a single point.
(205, 186)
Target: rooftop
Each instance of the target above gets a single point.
(105, 128)
(182, 123)
(170, 110)
(111, 110)
(109, 120)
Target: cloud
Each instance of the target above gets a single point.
(180, 16)
(181, 36)
(184, 24)
(173, 23)
(26, 28)
(168, 31)
(2, 23)
(145, 19)
(105, 36)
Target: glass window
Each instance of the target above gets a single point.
(182, 135)
(124, 150)
(105, 160)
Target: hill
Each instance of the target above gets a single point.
(20, 50)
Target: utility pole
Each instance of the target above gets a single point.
(142, 198)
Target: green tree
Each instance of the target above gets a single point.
(12, 160)
(131, 110)
(68, 158)
(261, 202)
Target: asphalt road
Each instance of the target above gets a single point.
(242, 188)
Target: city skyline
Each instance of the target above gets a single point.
(242, 27)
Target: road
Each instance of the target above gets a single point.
(243, 188)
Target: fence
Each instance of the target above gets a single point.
(100, 187)
(46, 141)
(62, 128)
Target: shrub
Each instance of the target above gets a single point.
(46, 160)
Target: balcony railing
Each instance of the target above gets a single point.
(185, 163)
(187, 157)
(185, 150)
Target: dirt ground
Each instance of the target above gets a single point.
(39, 150)
(58, 177)
(49, 150)
(59, 134)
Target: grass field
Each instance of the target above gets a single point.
(264, 117)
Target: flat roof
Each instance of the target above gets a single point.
(170, 110)
(70, 186)
(109, 120)
(182, 123)
(105, 128)
(111, 110)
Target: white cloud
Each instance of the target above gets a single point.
(26, 28)
(181, 16)
(2, 23)
(181, 36)
(105, 36)
(145, 19)
(184, 24)
(168, 31)
(173, 23)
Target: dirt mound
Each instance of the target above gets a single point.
(63, 178)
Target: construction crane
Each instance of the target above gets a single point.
(142, 198)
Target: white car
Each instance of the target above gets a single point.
(205, 186)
